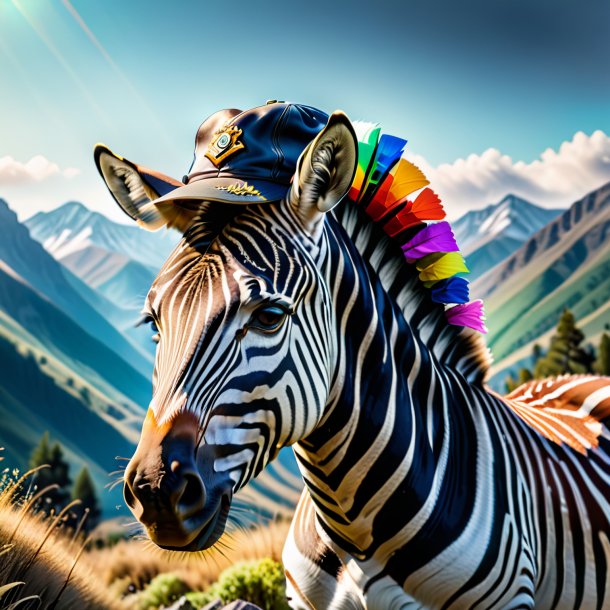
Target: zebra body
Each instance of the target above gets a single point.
(484, 526)
(291, 325)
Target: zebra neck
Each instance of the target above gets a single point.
(456, 348)
(387, 406)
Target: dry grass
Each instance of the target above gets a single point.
(43, 563)
(37, 553)
(138, 561)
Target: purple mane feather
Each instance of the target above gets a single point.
(433, 238)
(469, 314)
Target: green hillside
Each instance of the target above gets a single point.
(38, 393)
(565, 264)
(28, 260)
(65, 339)
(536, 307)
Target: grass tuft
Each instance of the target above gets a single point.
(39, 566)
(136, 562)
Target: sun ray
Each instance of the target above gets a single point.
(33, 91)
(63, 62)
(128, 84)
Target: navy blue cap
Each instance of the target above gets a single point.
(250, 156)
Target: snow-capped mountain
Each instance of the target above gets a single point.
(35, 267)
(66, 369)
(564, 264)
(119, 261)
(490, 235)
(72, 227)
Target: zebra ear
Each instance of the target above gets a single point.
(325, 172)
(135, 188)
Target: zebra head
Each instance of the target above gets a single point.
(245, 329)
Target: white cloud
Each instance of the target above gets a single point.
(41, 185)
(556, 179)
(71, 172)
(37, 169)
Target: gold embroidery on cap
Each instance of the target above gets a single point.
(223, 144)
(242, 189)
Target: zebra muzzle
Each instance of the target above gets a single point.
(182, 503)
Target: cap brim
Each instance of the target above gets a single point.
(227, 190)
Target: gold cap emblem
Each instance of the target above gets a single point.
(223, 144)
(242, 189)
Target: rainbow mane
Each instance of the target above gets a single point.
(383, 182)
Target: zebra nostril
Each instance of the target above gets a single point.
(128, 486)
(130, 499)
(193, 494)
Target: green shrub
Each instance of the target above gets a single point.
(163, 590)
(259, 582)
(198, 599)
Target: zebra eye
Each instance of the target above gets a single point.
(268, 319)
(148, 319)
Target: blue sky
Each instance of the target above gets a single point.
(454, 78)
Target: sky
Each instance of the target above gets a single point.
(493, 96)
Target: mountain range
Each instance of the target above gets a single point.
(24, 258)
(70, 362)
(115, 263)
(488, 236)
(564, 264)
(118, 261)
(72, 283)
(65, 368)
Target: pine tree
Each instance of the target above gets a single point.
(54, 472)
(510, 384)
(565, 353)
(536, 353)
(602, 364)
(525, 375)
(84, 490)
(41, 454)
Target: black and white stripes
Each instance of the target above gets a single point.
(286, 324)
(422, 488)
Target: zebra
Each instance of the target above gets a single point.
(296, 322)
